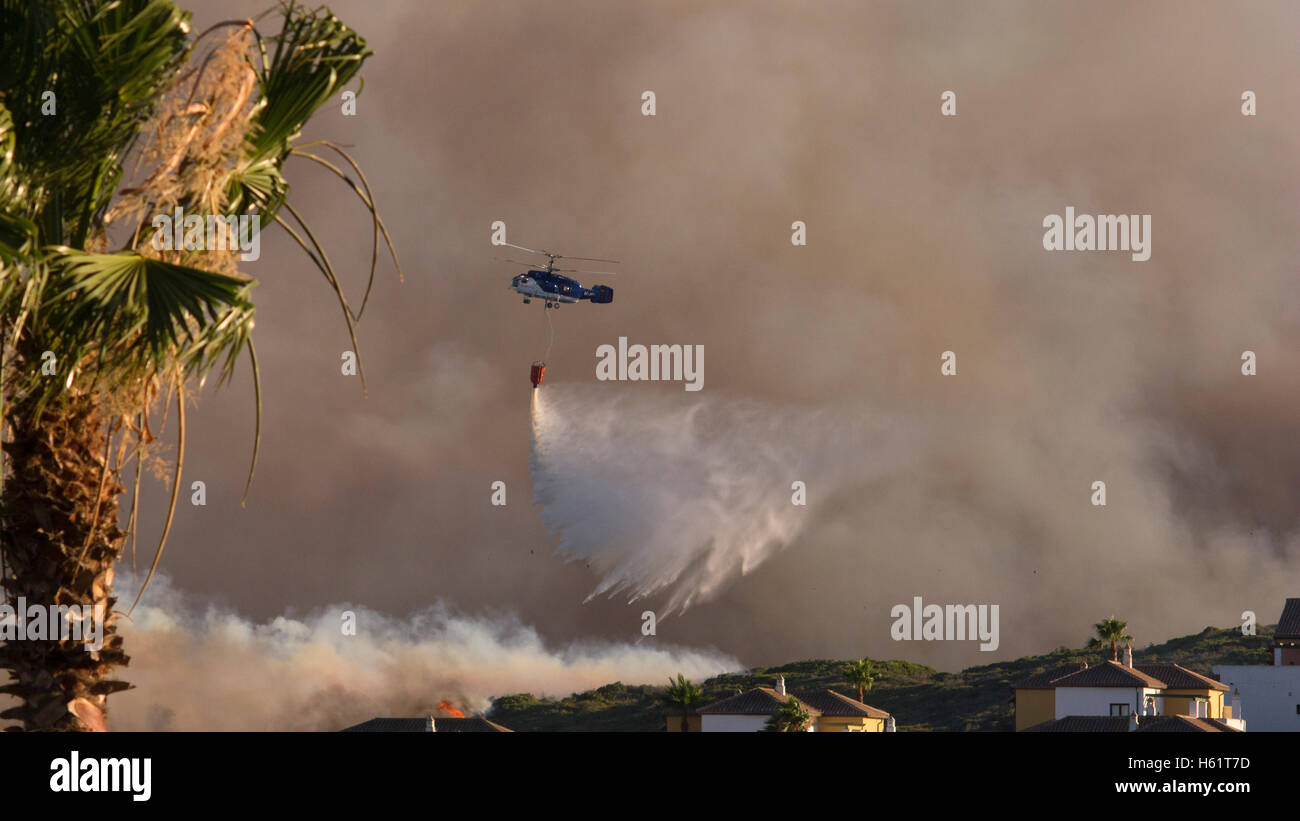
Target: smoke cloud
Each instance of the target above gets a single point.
(924, 235)
(197, 665)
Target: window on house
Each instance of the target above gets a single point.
(1119, 709)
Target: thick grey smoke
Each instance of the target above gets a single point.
(924, 236)
(197, 665)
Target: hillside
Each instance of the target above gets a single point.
(919, 697)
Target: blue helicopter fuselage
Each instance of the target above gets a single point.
(552, 287)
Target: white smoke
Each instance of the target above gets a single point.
(680, 493)
(199, 666)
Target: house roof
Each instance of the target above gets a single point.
(1109, 674)
(393, 725)
(1177, 677)
(1043, 680)
(1082, 724)
(472, 724)
(427, 724)
(1288, 625)
(760, 701)
(1121, 724)
(1182, 724)
(831, 703)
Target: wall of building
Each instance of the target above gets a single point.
(1034, 707)
(1096, 701)
(733, 724)
(1179, 702)
(1268, 696)
(675, 723)
(860, 724)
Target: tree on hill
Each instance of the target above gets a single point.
(860, 674)
(1110, 631)
(683, 695)
(791, 717)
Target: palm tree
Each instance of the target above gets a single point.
(790, 717)
(99, 328)
(1111, 631)
(683, 695)
(860, 674)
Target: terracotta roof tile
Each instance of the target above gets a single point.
(831, 703)
(760, 701)
(1288, 625)
(1082, 724)
(473, 724)
(1109, 674)
(1177, 677)
(427, 724)
(1182, 724)
(1121, 724)
(393, 725)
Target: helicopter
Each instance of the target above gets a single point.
(551, 286)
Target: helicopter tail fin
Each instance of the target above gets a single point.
(602, 294)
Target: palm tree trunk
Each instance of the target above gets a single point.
(59, 534)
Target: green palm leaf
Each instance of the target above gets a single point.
(148, 309)
(314, 55)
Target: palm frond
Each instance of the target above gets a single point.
(130, 315)
(314, 55)
(105, 65)
(176, 489)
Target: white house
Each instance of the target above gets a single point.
(1269, 696)
(1109, 689)
(829, 711)
(748, 712)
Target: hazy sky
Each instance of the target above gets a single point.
(924, 235)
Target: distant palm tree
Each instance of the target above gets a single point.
(99, 327)
(1111, 631)
(860, 674)
(683, 695)
(790, 717)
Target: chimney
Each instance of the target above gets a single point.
(780, 685)
(1128, 656)
(1132, 722)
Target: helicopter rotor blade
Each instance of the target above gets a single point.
(584, 271)
(522, 248)
(587, 259)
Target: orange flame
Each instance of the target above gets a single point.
(446, 707)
